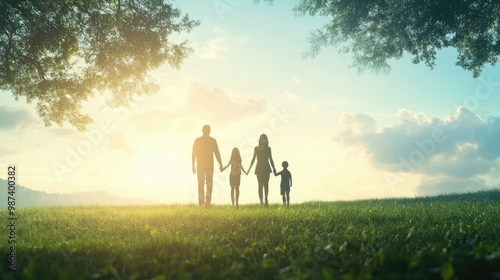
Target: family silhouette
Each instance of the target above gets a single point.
(204, 149)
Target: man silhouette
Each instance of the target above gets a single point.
(204, 149)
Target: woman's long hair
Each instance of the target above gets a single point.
(235, 155)
(263, 141)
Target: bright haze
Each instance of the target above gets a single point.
(411, 132)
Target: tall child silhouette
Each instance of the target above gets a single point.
(235, 175)
(286, 183)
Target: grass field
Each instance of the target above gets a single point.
(444, 237)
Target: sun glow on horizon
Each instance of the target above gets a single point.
(159, 168)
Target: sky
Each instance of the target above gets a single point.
(414, 131)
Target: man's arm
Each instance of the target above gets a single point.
(217, 154)
(290, 178)
(193, 157)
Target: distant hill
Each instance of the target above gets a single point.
(27, 197)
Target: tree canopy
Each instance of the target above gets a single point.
(58, 53)
(375, 31)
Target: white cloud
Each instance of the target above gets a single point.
(296, 80)
(291, 96)
(215, 104)
(218, 30)
(117, 142)
(159, 122)
(11, 118)
(217, 48)
(450, 185)
(357, 124)
(461, 147)
(153, 121)
(313, 106)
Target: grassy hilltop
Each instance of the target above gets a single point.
(444, 237)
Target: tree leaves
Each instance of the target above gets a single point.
(376, 31)
(59, 53)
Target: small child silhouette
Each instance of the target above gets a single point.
(286, 183)
(235, 175)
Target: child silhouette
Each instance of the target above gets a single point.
(286, 183)
(235, 175)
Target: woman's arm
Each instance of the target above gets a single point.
(271, 160)
(253, 159)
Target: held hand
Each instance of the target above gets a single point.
(220, 168)
(194, 170)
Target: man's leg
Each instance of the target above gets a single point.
(201, 186)
(208, 195)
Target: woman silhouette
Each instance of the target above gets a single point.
(263, 169)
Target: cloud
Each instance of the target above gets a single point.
(313, 106)
(61, 132)
(9, 152)
(94, 173)
(356, 126)
(11, 118)
(153, 122)
(460, 147)
(291, 96)
(217, 105)
(117, 142)
(450, 185)
(217, 48)
(296, 80)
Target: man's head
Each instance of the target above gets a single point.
(206, 130)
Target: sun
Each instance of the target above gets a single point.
(158, 167)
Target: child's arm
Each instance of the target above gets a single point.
(242, 169)
(279, 173)
(224, 168)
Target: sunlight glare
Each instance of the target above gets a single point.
(158, 167)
